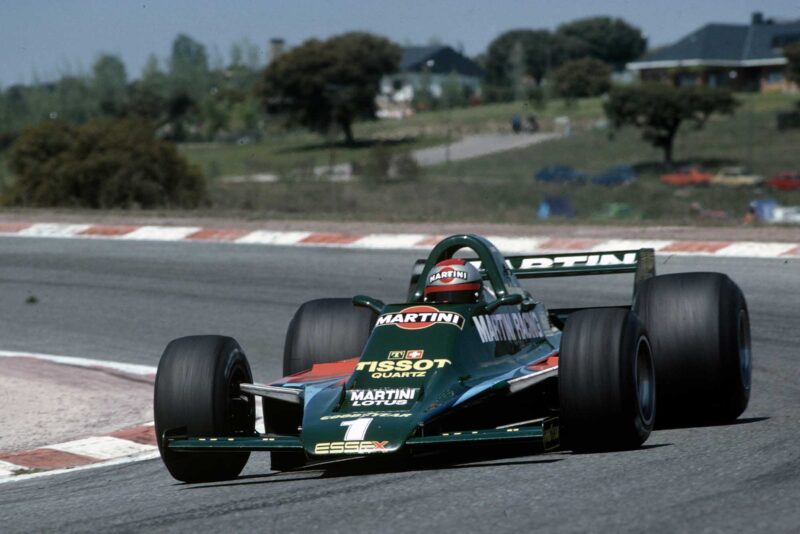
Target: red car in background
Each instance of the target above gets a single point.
(691, 176)
(785, 181)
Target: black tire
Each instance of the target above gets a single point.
(322, 331)
(197, 394)
(606, 381)
(699, 330)
(326, 330)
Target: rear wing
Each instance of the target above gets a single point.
(640, 262)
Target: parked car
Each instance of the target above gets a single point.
(689, 176)
(560, 174)
(617, 175)
(736, 177)
(785, 181)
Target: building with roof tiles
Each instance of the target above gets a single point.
(739, 56)
(428, 67)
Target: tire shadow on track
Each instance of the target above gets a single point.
(361, 466)
(708, 424)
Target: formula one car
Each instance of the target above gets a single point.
(470, 359)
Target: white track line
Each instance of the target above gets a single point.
(161, 233)
(118, 461)
(103, 447)
(128, 368)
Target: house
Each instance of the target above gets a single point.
(426, 67)
(739, 56)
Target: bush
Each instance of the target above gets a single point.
(789, 119)
(101, 164)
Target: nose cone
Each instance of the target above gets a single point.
(358, 433)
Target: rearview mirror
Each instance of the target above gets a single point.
(369, 302)
(506, 300)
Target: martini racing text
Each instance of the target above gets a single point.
(508, 327)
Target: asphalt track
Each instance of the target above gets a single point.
(124, 301)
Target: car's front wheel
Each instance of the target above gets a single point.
(197, 394)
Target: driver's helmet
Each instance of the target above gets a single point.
(453, 281)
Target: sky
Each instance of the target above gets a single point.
(44, 39)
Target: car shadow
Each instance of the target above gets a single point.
(361, 466)
(700, 423)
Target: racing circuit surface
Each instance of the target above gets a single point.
(124, 301)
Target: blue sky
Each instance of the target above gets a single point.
(49, 37)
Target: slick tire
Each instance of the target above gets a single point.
(699, 331)
(197, 394)
(326, 330)
(322, 331)
(606, 381)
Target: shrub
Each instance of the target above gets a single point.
(101, 164)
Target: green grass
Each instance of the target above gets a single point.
(288, 153)
(282, 153)
(501, 187)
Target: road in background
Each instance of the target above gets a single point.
(125, 300)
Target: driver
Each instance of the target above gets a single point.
(453, 281)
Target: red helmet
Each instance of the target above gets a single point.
(453, 281)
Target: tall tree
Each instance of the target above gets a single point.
(188, 68)
(659, 110)
(611, 40)
(319, 84)
(533, 53)
(110, 84)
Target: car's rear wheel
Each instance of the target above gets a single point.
(197, 394)
(606, 381)
(699, 329)
(322, 331)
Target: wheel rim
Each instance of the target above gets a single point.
(745, 355)
(645, 381)
(239, 404)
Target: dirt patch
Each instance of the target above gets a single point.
(46, 403)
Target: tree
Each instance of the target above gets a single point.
(581, 78)
(148, 95)
(188, 68)
(659, 110)
(102, 164)
(535, 46)
(110, 84)
(333, 82)
(531, 53)
(611, 40)
(792, 53)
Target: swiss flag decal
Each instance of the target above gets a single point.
(414, 354)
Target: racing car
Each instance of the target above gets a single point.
(471, 358)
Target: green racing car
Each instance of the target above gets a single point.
(471, 359)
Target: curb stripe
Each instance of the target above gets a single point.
(385, 241)
(570, 244)
(102, 447)
(12, 228)
(211, 234)
(695, 246)
(331, 239)
(144, 434)
(108, 230)
(46, 458)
